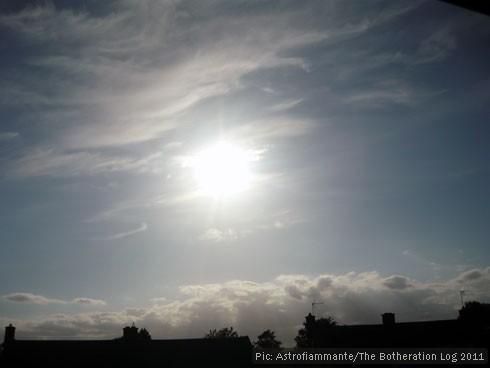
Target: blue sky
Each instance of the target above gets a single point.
(365, 129)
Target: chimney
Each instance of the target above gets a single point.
(388, 319)
(310, 320)
(130, 333)
(311, 330)
(9, 334)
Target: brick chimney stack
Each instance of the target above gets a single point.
(130, 333)
(388, 319)
(9, 334)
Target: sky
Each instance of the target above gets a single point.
(191, 165)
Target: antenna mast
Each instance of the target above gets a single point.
(461, 293)
(313, 306)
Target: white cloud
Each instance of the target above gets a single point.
(172, 146)
(122, 84)
(31, 298)
(134, 74)
(283, 219)
(39, 299)
(436, 47)
(88, 301)
(286, 105)
(219, 236)
(97, 325)
(5, 136)
(379, 97)
(142, 227)
(160, 300)
(51, 162)
(279, 305)
(280, 220)
(274, 127)
(136, 91)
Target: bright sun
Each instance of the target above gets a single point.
(222, 169)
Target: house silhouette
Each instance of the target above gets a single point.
(391, 334)
(128, 351)
(132, 351)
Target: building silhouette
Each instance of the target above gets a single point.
(132, 350)
(127, 351)
(428, 334)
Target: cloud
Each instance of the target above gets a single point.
(277, 127)
(379, 97)
(160, 300)
(397, 282)
(97, 325)
(31, 298)
(121, 85)
(48, 161)
(286, 105)
(436, 47)
(279, 304)
(88, 301)
(172, 146)
(151, 94)
(39, 299)
(283, 219)
(471, 275)
(114, 211)
(219, 236)
(125, 234)
(474, 281)
(5, 136)
(137, 74)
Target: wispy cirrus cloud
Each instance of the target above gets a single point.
(116, 102)
(275, 127)
(153, 95)
(48, 161)
(278, 221)
(132, 76)
(286, 105)
(124, 234)
(436, 47)
(219, 236)
(5, 136)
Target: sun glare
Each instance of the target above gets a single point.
(222, 169)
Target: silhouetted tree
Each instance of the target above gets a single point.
(326, 322)
(301, 339)
(267, 339)
(143, 334)
(475, 313)
(225, 332)
(312, 330)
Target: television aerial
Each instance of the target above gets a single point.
(462, 292)
(313, 306)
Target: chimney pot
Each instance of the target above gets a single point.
(130, 333)
(388, 319)
(9, 334)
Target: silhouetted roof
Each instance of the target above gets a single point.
(227, 352)
(443, 333)
(478, 6)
